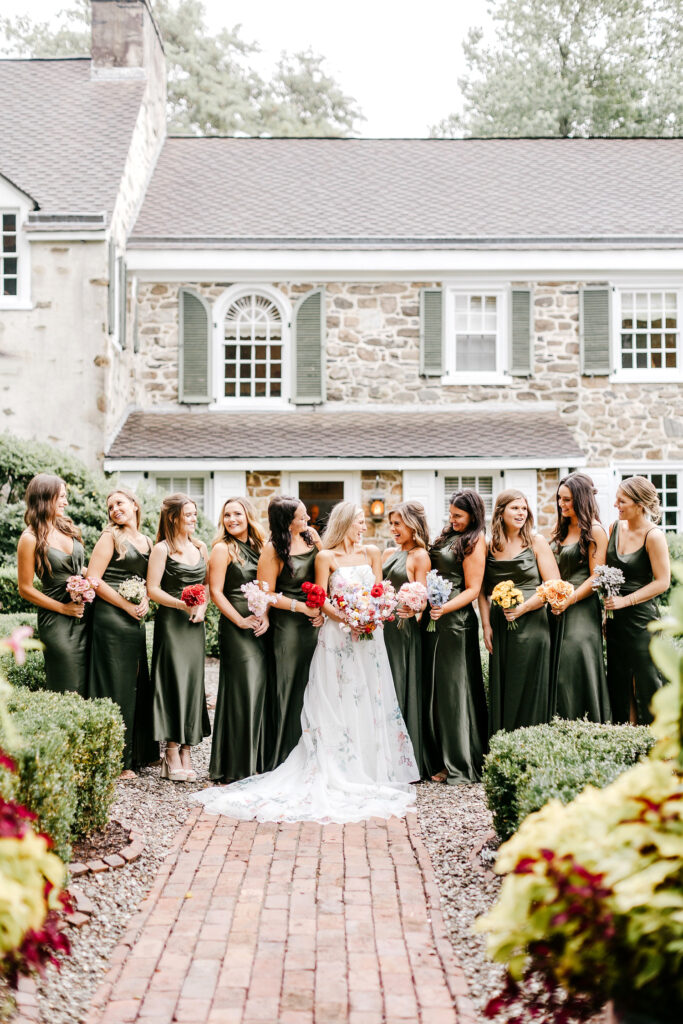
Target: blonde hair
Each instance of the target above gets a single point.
(644, 493)
(498, 534)
(256, 535)
(169, 519)
(118, 532)
(339, 523)
(415, 518)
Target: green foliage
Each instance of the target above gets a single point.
(212, 620)
(571, 69)
(11, 601)
(528, 767)
(212, 87)
(68, 755)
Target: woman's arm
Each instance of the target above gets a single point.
(485, 615)
(548, 570)
(658, 553)
(597, 553)
(473, 566)
(198, 612)
(155, 570)
(324, 563)
(26, 565)
(269, 568)
(374, 556)
(219, 561)
(102, 555)
(418, 564)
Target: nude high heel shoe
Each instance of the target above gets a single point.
(174, 774)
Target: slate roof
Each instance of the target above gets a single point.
(64, 137)
(284, 191)
(359, 435)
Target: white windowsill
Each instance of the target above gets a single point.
(476, 378)
(250, 404)
(647, 376)
(19, 304)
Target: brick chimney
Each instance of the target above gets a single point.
(125, 40)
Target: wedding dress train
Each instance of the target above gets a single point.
(354, 760)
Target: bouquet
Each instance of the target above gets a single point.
(607, 581)
(555, 592)
(315, 595)
(364, 609)
(258, 597)
(412, 596)
(438, 590)
(134, 589)
(506, 595)
(81, 589)
(194, 595)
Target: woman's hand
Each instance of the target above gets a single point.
(318, 619)
(404, 613)
(514, 613)
(261, 625)
(198, 612)
(435, 613)
(250, 622)
(566, 603)
(617, 602)
(488, 638)
(74, 609)
(313, 613)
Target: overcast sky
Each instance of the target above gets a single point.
(400, 59)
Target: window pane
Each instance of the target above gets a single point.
(669, 487)
(10, 286)
(9, 222)
(253, 320)
(9, 243)
(475, 353)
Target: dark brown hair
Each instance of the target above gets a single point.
(583, 494)
(169, 519)
(463, 544)
(281, 512)
(41, 499)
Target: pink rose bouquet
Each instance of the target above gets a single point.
(258, 597)
(81, 589)
(412, 596)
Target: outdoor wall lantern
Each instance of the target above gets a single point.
(377, 502)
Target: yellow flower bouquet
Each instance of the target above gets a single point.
(506, 595)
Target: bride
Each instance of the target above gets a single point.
(354, 760)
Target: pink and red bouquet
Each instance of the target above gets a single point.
(363, 609)
(81, 589)
(258, 597)
(315, 594)
(412, 596)
(194, 595)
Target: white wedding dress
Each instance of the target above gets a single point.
(354, 760)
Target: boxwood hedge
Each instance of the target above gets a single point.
(526, 768)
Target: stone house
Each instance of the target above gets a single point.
(368, 319)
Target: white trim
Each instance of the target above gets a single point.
(644, 376)
(13, 201)
(290, 480)
(219, 309)
(166, 465)
(68, 236)
(427, 264)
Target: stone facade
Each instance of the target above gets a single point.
(388, 485)
(547, 481)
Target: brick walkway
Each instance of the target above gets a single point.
(291, 923)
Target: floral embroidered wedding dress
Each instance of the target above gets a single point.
(354, 760)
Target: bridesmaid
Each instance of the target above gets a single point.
(579, 543)
(178, 561)
(519, 676)
(640, 550)
(287, 561)
(455, 710)
(407, 563)
(118, 648)
(238, 724)
(50, 548)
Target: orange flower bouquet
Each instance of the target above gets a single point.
(555, 592)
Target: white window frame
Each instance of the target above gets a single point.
(185, 474)
(642, 375)
(442, 495)
(451, 373)
(12, 200)
(289, 481)
(219, 311)
(663, 469)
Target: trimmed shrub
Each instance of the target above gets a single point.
(68, 755)
(32, 673)
(10, 601)
(212, 620)
(526, 768)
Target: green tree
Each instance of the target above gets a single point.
(212, 89)
(573, 68)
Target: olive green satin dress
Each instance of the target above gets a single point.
(178, 653)
(118, 661)
(578, 666)
(293, 641)
(455, 719)
(519, 668)
(238, 723)
(630, 669)
(66, 638)
(404, 647)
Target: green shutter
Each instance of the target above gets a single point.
(595, 330)
(309, 349)
(111, 289)
(194, 348)
(521, 355)
(123, 301)
(431, 332)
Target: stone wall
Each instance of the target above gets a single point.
(388, 485)
(261, 487)
(547, 481)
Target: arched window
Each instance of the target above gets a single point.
(253, 348)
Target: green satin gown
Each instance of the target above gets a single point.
(404, 647)
(178, 653)
(118, 661)
(238, 723)
(519, 668)
(578, 666)
(630, 669)
(66, 638)
(455, 725)
(293, 641)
